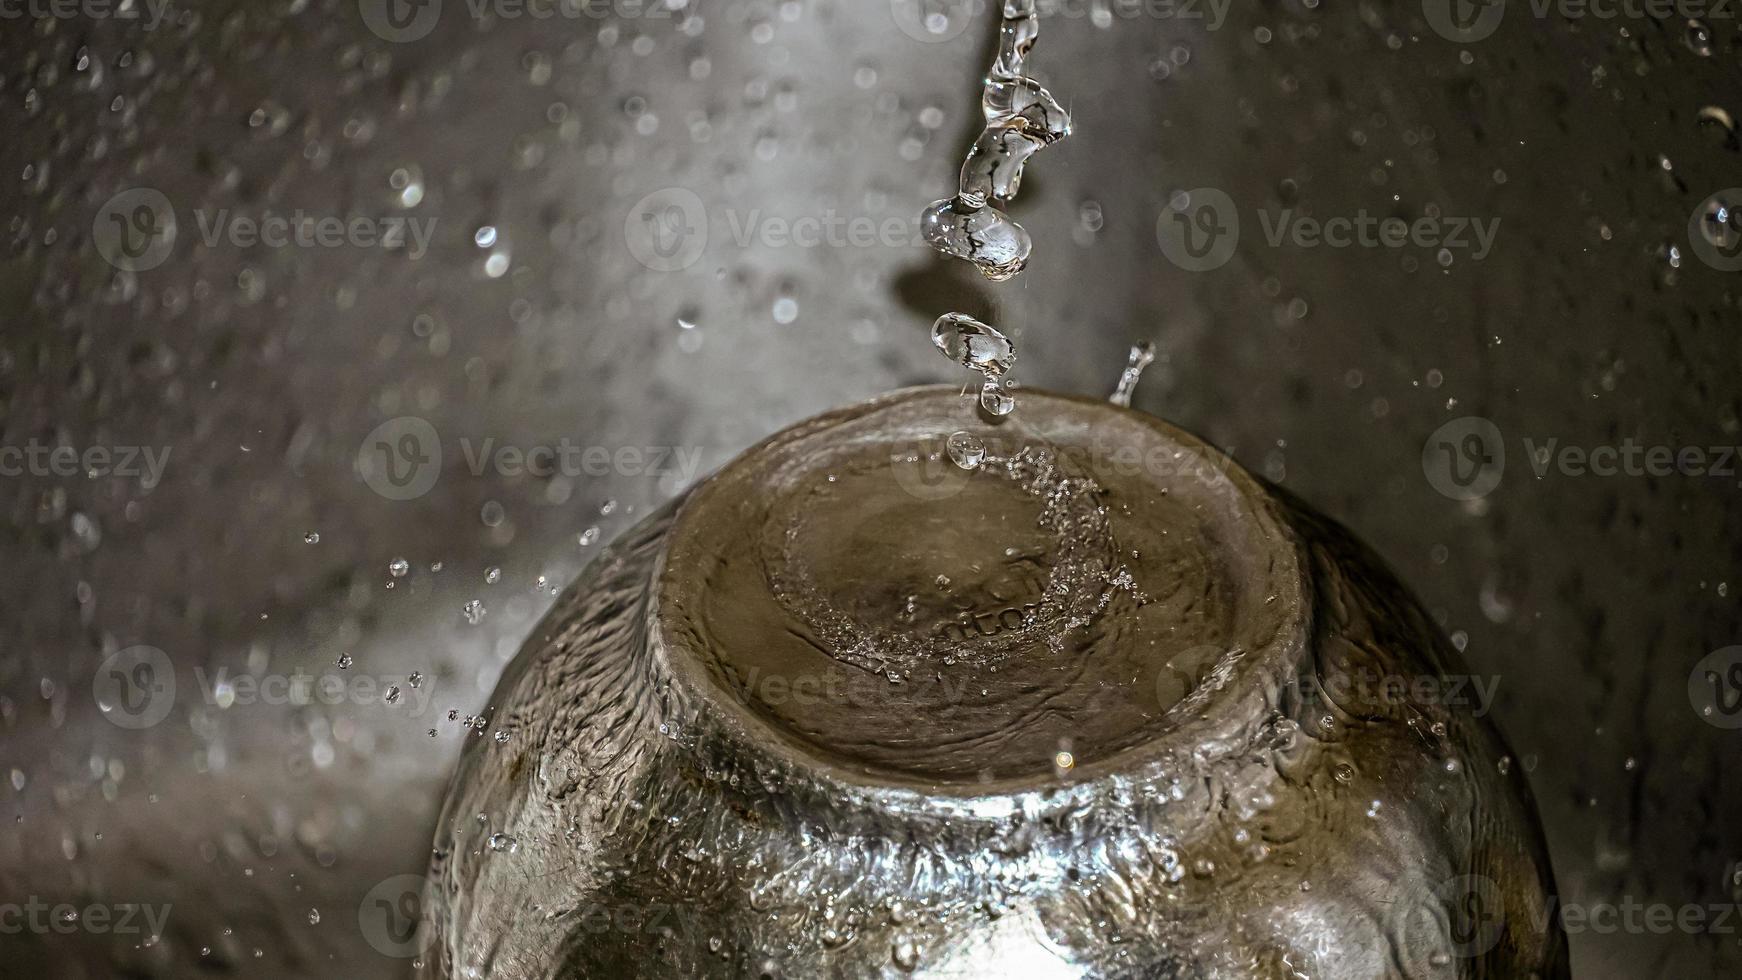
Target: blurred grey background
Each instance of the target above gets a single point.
(555, 304)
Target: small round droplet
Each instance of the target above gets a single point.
(503, 842)
(345, 661)
(474, 611)
(492, 576)
(313, 537)
(398, 567)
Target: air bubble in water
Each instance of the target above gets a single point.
(398, 568)
(966, 450)
(474, 612)
(503, 842)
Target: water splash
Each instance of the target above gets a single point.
(1022, 117)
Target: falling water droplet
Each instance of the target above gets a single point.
(1142, 355)
(994, 399)
(973, 344)
(966, 450)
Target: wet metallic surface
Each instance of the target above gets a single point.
(1592, 320)
(1277, 821)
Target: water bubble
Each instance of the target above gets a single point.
(398, 567)
(314, 917)
(966, 450)
(345, 661)
(312, 537)
(587, 538)
(503, 842)
(492, 576)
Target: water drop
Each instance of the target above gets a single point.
(966, 450)
(995, 400)
(398, 567)
(1142, 355)
(973, 344)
